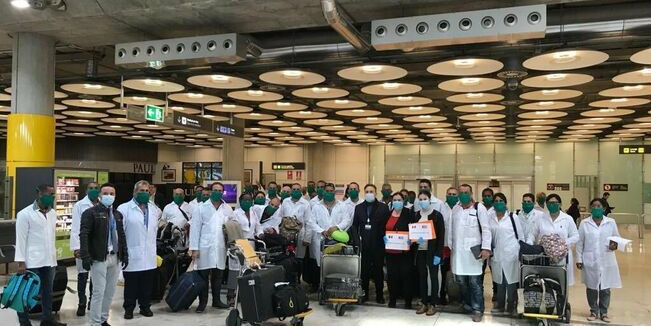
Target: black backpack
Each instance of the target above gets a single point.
(542, 295)
(289, 300)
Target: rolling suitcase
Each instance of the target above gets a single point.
(59, 287)
(185, 291)
(256, 290)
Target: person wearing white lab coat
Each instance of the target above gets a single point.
(353, 200)
(36, 251)
(320, 190)
(327, 216)
(178, 211)
(451, 200)
(140, 228)
(555, 221)
(268, 215)
(426, 185)
(208, 245)
(528, 214)
(595, 256)
(90, 200)
(299, 207)
(470, 228)
(198, 199)
(251, 229)
(541, 197)
(272, 192)
(506, 231)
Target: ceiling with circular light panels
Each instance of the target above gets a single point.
(445, 95)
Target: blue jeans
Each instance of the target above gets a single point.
(472, 291)
(47, 279)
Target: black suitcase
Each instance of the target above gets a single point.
(256, 293)
(185, 291)
(59, 287)
(291, 266)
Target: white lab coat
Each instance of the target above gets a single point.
(250, 228)
(465, 234)
(351, 205)
(506, 248)
(563, 226)
(600, 269)
(207, 235)
(192, 205)
(272, 222)
(141, 238)
(302, 211)
(446, 211)
(172, 214)
(528, 218)
(79, 208)
(322, 219)
(35, 237)
(315, 201)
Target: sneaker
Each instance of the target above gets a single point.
(605, 318)
(146, 312)
(477, 316)
(431, 311)
(81, 311)
(422, 309)
(128, 314)
(593, 317)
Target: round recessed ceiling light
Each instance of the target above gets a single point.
(391, 89)
(123, 121)
(557, 80)
(642, 76)
(219, 81)
(565, 60)
(642, 57)
(257, 130)
(255, 95)
(589, 126)
(295, 129)
(482, 117)
(195, 98)
(283, 106)
(341, 104)
(372, 72)
(138, 100)
(115, 128)
(323, 122)
(479, 108)
(619, 102)
(539, 122)
(320, 92)
(84, 114)
(405, 101)
(338, 128)
(372, 120)
(305, 115)
(88, 103)
(551, 95)
(384, 126)
(358, 113)
(152, 85)
(609, 112)
(81, 122)
(91, 88)
(80, 129)
(151, 127)
(255, 116)
(416, 110)
(484, 129)
(531, 128)
(475, 98)
(470, 84)
(547, 105)
(542, 115)
(292, 77)
(599, 120)
(424, 118)
(627, 91)
(465, 67)
(184, 109)
(228, 108)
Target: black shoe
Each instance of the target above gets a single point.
(128, 314)
(364, 298)
(106, 324)
(219, 304)
(444, 301)
(81, 311)
(392, 303)
(380, 300)
(52, 323)
(408, 305)
(201, 308)
(146, 312)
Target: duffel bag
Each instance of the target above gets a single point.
(289, 300)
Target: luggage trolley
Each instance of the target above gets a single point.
(551, 304)
(340, 275)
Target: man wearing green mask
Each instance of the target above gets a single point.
(285, 192)
(272, 191)
(299, 207)
(196, 200)
(353, 200)
(90, 200)
(177, 211)
(528, 214)
(310, 190)
(320, 190)
(487, 199)
(35, 249)
(386, 194)
(426, 185)
(140, 228)
(207, 244)
(451, 200)
(541, 197)
(328, 215)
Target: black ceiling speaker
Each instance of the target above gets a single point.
(511, 93)
(512, 68)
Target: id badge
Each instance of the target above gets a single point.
(367, 227)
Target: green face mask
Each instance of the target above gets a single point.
(329, 196)
(451, 200)
(553, 207)
(488, 200)
(296, 194)
(353, 194)
(411, 199)
(310, 189)
(270, 210)
(500, 206)
(386, 193)
(142, 197)
(246, 204)
(198, 195)
(541, 202)
(204, 198)
(527, 206)
(272, 192)
(216, 195)
(93, 194)
(464, 198)
(48, 200)
(320, 191)
(259, 201)
(597, 213)
(178, 199)
(284, 194)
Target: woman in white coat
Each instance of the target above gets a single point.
(555, 221)
(595, 256)
(328, 216)
(506, 230)
(208, 246)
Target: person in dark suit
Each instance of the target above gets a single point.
(607, 208)
(574, 210)
(399, 262)
(369, 222)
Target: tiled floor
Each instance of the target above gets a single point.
(629, 306)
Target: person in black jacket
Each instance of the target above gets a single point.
(574, 210)
(103, 244)
(428, 255)
(369, 222)
(399, 262)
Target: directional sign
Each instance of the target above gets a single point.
(634, 149)
(154, 113)
(192, 122)
(615, 186)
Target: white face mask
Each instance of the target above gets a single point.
(107, 200)
(369, 197)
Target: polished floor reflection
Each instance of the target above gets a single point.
(630, 305)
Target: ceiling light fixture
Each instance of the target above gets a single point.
(195, 95)
(555, 77)
(464, 63)
(153, 82)
(292, 74)
(542, 112)
(405, 98)
(341, 101)
(228, 106)
(219, 78)
(20, 4)
(550, 91)
(606, 110)
(283, 104)
(619, 100)
(138, 98)
(470, 81)
(320, 90)
(85, 112)
(390, 85)
(633, 88)
(475, 95)
(415, 108)
(304, 112)
(87, 101)
(479, 105)
(372, 69)
(546, 103)
(92, 86)
(646, 71)
(255, 93)
(177, 108)
(564, 57)
(359, 111)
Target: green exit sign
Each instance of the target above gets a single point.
(154, 113)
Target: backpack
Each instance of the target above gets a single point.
(289, 228)
(21, 294)
(289, 300)
(554, 246)
(542, 295)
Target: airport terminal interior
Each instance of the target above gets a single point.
(311, 101)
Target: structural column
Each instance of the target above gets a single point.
(233, 155)
(30, 128)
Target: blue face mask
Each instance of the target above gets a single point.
(424, 204)
(107, 200)
(369, 197)
(397, 205)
